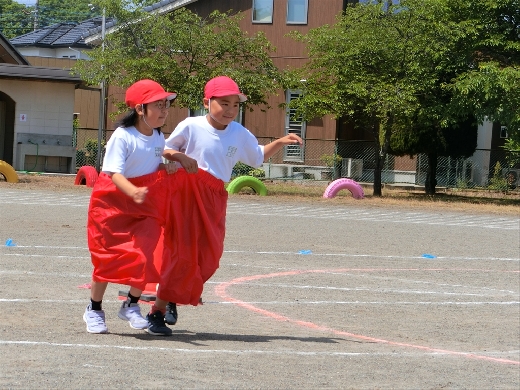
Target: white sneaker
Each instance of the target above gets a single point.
(95, 320)
(131, 312)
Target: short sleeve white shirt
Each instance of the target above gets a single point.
(133, 154)
(216, 151)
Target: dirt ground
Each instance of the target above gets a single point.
(311, 293)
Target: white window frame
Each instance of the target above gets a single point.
(306, 5)
(503, 131)
(294, 126)
(254, 8)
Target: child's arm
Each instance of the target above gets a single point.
(189, 164)
(136, 193)
(273, 147)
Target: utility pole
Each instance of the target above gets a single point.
(102, 101)
(36, 9)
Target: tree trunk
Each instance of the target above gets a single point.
(431, 174)
(379, 163)
(381, 153)
(377, 172)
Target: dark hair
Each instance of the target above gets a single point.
(131, 118)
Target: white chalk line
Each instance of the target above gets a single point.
(353, 275)
(376, 290)
(289, 303)
(285, 253)
(488, 291)
(241, 351)
(54, 274)
(387, 278)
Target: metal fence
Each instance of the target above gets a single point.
(326, 160)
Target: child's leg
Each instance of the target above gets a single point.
(94, 316)
(156, 323)
(130, 310)
(135, 292)
(97, 291)
(171, 315)
(160, 304)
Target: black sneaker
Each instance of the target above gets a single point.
(171, 314)
(156, 325)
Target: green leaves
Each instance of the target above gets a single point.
(182, 51)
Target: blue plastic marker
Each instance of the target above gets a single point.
(428, 256)
(305, 252)
(10, 242)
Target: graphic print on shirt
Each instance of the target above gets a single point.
(231, 151)
(158, 151)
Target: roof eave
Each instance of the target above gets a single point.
(95, 38)
(27, 72)
(12, 52)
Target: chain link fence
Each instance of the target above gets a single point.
(326, 160)
(85, 140)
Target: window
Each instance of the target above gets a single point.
(296, 126)
(262, 11)
(503, 132)
(202, 111)
(198, 112)
(297, 11)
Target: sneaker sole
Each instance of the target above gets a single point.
(129, 323)
(91, 331)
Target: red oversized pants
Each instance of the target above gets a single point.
(123, 235)
(194, 235)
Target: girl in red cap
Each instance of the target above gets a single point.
(127, 208)
(207, 147)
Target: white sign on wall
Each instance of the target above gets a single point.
(23, 117)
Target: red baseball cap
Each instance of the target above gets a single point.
(146, 91)
(222, 86)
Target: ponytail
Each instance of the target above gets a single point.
(131, 118)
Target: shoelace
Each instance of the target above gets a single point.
(99, 320)
(134, 312)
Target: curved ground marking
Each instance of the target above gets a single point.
(220, 290)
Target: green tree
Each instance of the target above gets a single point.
(18, 19)
(491, 85)
(375, 66)
(181, 51)
(58, 11)
(15, 19)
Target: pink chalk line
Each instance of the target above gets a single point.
(221, 288)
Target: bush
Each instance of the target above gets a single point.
(498, 182)
(330, 160)
(91, 149)
(241, 169)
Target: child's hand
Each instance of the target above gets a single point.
(291, 139)
(188, 163)
(170, 168)
(139, 194)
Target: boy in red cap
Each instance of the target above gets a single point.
(207, 147)
(127, 208)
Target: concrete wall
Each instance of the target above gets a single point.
(481, 160)
(43, 115)
(60, 52)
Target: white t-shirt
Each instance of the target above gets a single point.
(216, 151)
(133, 154)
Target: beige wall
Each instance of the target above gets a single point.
(47, 107)
(86, 102)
